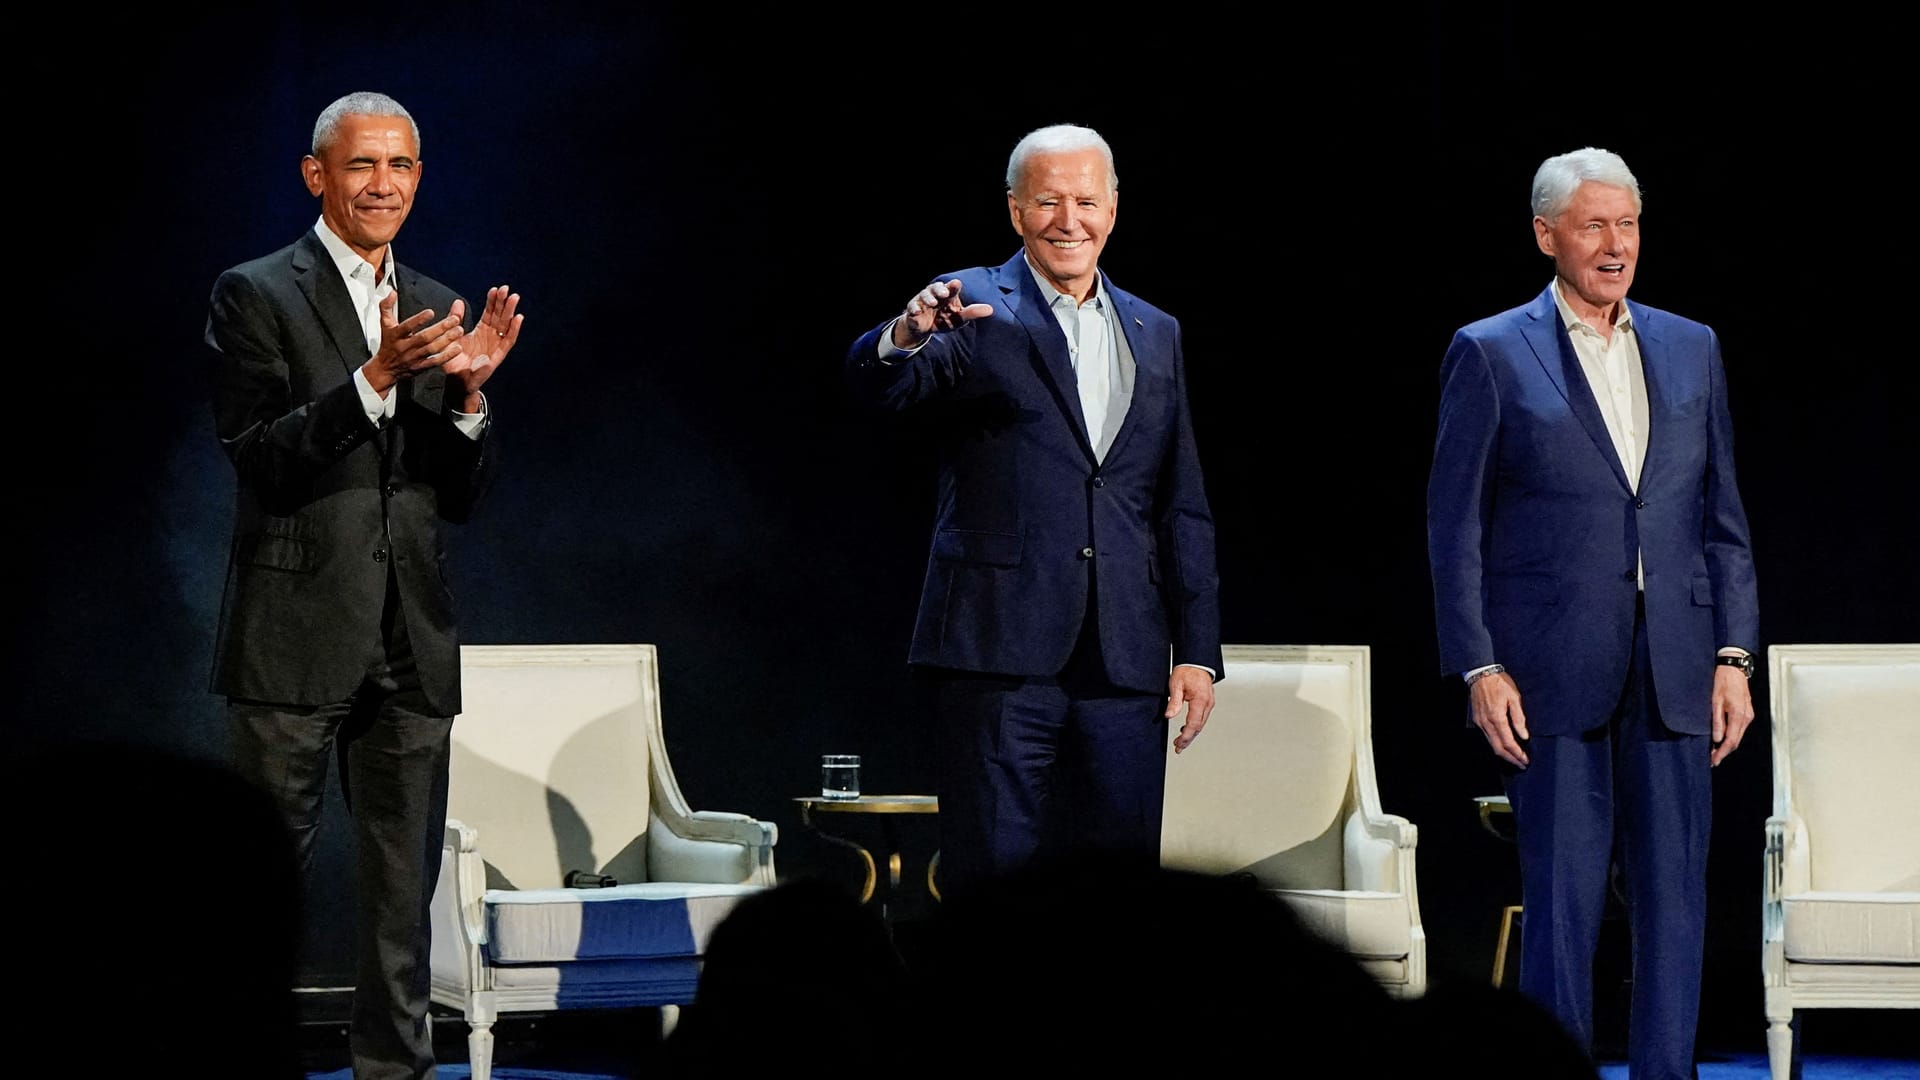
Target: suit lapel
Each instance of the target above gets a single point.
(1554, 349)
(1021, 293)
(1133, 328)
(1653, 367)
(427, 389)
(320, 282)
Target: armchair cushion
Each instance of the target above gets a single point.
(1368, 925)
(1853, 928)
(625, 922)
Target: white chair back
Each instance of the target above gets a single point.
(1267, 787)
(1846, 761)
(552, 759)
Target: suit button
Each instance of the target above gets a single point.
(1630, 576)
(392, 490)
(1639, 504)
(379, 554)
(1086, 553)
(1099, 482)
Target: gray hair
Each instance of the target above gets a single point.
(359, 103)
(1559, 177)
(1060, 139)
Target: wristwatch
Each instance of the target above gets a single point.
(1744, 662)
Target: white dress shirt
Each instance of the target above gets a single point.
(1619, 385)
(367, 294)
(1091, 330)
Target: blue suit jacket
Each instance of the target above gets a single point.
(1022, 501)
(1532, 527)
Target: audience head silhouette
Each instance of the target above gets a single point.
(803, 963)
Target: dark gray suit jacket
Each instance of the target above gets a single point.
(326, 503)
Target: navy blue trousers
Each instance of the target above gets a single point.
(1043, 767)
(1634, 788)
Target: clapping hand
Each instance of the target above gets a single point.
(486, 345)
(410, 347)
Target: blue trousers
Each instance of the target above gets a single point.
(1042, 767)
(1636, 791)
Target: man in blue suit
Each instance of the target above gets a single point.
(1071, 606)
(1590, 556)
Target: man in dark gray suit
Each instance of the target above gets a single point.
(347, 393)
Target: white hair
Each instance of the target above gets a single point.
(1559, 177)
(1060, 139)
(359, 103)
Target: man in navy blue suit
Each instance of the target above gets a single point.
(1071, 609)
(1590, 557)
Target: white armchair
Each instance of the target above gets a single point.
(1280, 785)
(1840, 915)
(558, 766)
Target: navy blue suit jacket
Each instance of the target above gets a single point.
(1532, 527)
(1029, 528)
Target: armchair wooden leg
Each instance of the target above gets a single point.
(1780, 1048)
(480, 1049)
(1507, 915)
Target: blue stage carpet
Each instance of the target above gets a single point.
(1743, 1067)
(1754, 1067)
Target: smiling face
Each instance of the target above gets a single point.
(365, 179)
(1063, 206)
(1594, 243)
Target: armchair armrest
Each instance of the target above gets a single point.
(469, 879)
(1796, 864)
(729, 827)
(458, 916)
(1773, 888)
(1378, 856)
(460, 838)
(711, 846)
(1773, 915)
(1378, 851)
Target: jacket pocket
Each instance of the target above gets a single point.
(983, 548)
(282, 544)
(1702, 592)
(283, 553)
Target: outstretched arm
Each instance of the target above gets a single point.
(920, 353)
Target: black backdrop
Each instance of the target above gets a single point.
(702, 208)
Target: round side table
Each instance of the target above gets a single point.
(889, 808)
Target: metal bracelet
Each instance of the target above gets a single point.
(1478, 675)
